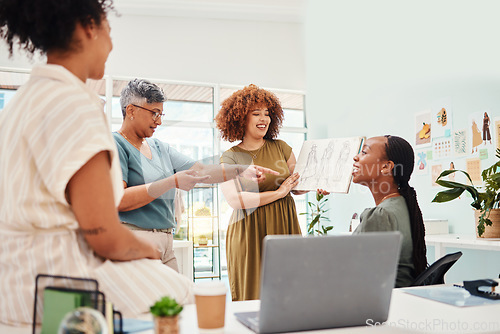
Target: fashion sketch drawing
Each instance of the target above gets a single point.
(332, 171)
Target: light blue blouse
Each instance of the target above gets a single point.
(138, 169)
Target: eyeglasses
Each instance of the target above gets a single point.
(156, 114)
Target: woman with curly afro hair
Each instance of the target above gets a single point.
(60, 178)
(254, 116)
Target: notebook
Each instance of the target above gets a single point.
(325, 282)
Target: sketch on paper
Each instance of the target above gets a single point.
(441, 121)
(421, 163)
(423, 128)
(327, 164)
(435, 172)
(441, 148)
(481, 127)
(473, 168)
(497, 133)
(460, 143)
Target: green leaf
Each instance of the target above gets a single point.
(447, 172)
(448, 195)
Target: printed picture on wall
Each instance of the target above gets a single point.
(480, 129)
(473, 168)
(457, 176)
(421, 163)
(497, 133)
(423, 128)
(441, 121)
(441, 148)
(327, 164)
(460, 143)
(435, 172)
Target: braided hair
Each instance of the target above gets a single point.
(401, 153)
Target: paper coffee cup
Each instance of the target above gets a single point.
(210, 298)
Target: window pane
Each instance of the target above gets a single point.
(196, 143)
(9, 83)
(184, 102)
(5, 96)
(293, 118)
(188, 111)
(116, 110)
(295, 140)
(287, 100)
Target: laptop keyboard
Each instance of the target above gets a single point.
(254, 320)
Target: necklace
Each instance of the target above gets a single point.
(254, 153)
(389, 196)
(137, 147)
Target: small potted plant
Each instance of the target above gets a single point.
(486, 199)
(166, 316)
(317, 216)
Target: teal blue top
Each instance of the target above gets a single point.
(138, 169)
(392, 215)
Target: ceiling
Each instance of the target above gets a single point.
(254, 10)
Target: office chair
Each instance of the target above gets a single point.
(434, 274)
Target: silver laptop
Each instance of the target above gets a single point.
(325, 282)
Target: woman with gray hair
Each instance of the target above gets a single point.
(152, 169)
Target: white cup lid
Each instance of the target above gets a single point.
(212, 288)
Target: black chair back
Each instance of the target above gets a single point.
(434, 274)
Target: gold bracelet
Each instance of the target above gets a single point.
(176, 181)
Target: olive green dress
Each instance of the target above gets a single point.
(248, 227)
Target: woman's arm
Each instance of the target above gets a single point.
(224, 172)
(238, 199)
(90, 195)
(138, 196)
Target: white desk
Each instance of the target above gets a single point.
(441, 241)
(183, 250)
(407, 314)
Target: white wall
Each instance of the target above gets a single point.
(371, 65)
(269, 54)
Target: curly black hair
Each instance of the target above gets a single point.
(46, 25)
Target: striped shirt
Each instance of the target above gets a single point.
(49, 130)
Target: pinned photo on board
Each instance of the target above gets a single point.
(481, 125)
(442, 148)
(423, 134)
(421, 163)
(435, 172)
(441, 121)
(460, 146)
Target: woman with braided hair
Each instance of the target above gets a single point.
(385, 165)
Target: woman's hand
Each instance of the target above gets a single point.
(287, 185)
(187, 179)
(257, 173)
(302, 192)
(322, 192)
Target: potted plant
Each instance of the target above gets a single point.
(486, 199)
(317, 216)
(166, 316)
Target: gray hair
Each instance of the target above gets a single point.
(137, 91)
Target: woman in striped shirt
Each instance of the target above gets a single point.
(60, 179)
